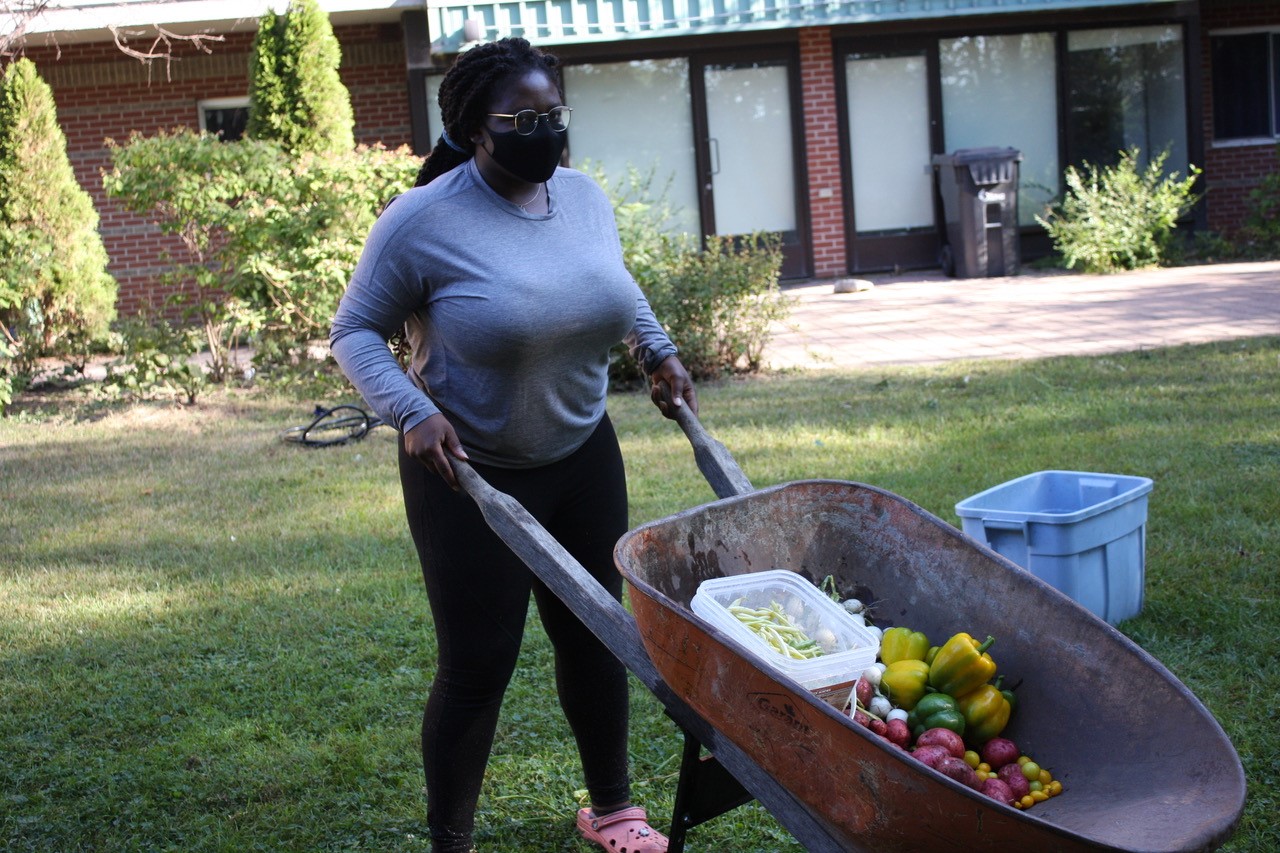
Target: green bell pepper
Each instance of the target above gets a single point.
(903, 644)
(936, 711)
(962, 665)
(1008, 694)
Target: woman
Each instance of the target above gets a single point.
(506, 272)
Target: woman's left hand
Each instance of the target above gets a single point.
(671, 382)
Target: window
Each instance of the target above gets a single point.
(1125, 89)
(1246, 85)
(1001, 91)
(892, 181)
(224, 117)
(637, 115)
(627, 115)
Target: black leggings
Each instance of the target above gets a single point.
(479, 595)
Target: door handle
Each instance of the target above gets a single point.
(715, 156)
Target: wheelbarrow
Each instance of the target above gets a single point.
(1144, 765)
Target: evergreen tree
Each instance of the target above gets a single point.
(296, 97)
(55, 290)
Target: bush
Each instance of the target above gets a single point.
(156, 358)
(1119, 218)
(191, 184)
(271, 239)
(291, 251)
(56, 296)
(716, 304)
(12, 382)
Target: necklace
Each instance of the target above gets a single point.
(525, 206)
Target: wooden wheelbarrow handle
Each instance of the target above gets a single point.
(713, 458)
(617, 629)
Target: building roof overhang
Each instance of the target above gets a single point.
(455, 25)
(72, 21)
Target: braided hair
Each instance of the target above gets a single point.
(466, 91)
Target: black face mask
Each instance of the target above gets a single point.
(531, 158)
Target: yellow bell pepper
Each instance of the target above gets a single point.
(986, 712)
(962, 665)
(903, 644)
(904, 682)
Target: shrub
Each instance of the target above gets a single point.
(296, 97)
(719, 302)
(1119, 218)
(271, 239)
(156, 358)
(291, 251)
(716, 304)
(11, 381)
(56, 295)
(191, 184)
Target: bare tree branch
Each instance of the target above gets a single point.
(163, 37)
(16, 17)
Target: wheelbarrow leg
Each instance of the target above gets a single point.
(705, 791)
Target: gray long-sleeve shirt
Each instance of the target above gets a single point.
(510, 315)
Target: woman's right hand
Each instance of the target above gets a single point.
(432, 442)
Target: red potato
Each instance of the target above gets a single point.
(898, 733)
(955, 768)
(878, 727)
(861, 718)
(945, 738)
(863, 691)
(997, 790)
(999, 751)
(1011, 775)
(931, 755)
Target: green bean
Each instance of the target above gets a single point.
(776, 628)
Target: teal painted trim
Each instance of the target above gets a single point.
(555, 22)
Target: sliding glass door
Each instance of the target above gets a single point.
(890, 176)
(751, 155)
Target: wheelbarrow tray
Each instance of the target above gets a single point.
(1143, 764)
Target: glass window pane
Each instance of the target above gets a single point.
(1240, 67)
(225, 118)
(1001, 91)
(435, 125)
(637, 115)
(753, 177)
(227, 124)
(1125, 88)
(892, 178)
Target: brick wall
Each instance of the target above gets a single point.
(822, 151)
(103, 94)
(1231, 172)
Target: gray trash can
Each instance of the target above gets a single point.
(979, 189)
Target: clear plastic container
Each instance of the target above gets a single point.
(849, 648)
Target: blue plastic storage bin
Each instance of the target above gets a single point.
(1082, 533)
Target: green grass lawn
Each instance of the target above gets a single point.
(213, 641)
